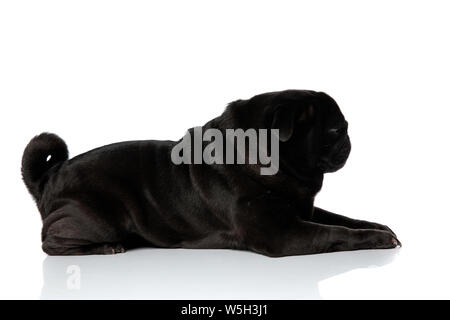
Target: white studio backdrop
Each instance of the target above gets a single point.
(97, 72)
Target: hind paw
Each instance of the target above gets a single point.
(113, 248)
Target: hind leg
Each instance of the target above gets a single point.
(76, 230)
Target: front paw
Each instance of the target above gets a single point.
(383, 227)
(388, 239)
(376, 226)
(382, 239)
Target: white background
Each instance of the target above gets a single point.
(97, 72)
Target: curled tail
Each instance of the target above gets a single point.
(42, 152)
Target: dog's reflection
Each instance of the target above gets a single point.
(198, 274)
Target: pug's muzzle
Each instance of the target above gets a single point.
(336, 158)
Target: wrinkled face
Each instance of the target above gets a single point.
(313, 131)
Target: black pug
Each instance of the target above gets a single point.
(131, 194)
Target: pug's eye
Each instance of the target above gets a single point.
(337, 131)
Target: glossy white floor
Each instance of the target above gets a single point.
(97, 72)
(214, 274)
(218, 274)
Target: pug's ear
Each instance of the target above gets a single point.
(287, 116)
(284, 121)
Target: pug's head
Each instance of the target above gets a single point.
(312, 130)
